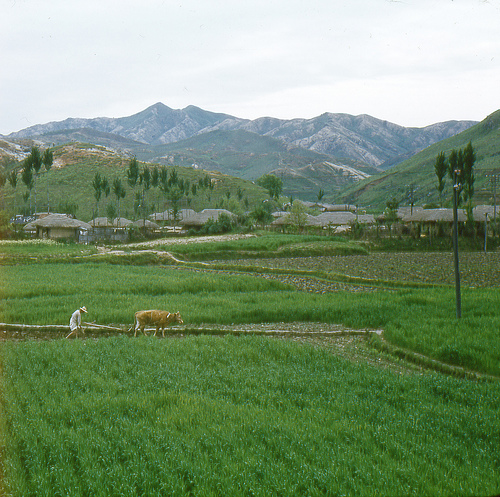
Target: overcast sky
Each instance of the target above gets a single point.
(411, 62)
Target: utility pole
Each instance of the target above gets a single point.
(411, 196)
(456, 187)
(493, 175)
(494, 178)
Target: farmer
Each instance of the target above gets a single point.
(75, 323)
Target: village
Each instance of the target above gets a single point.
(310, 217)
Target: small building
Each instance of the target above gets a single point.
(167, 217)
(58, 226)
(197, 220)
(106, 230)
(485, 212)
(434, 222)
(145, 223)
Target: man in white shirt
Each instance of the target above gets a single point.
(75, 323)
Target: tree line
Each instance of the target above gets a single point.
(31, 169)
(173, 187)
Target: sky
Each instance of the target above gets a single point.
(410, 62)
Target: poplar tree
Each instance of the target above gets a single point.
(47, 160)
(440, 167)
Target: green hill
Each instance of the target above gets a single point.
(239, 153)
(417, 173)
(70, 181)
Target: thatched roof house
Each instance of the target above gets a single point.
(480, 211)
(100, 222)
(57, 226)
(104, 222)
(197, 220)
(141, 223)
(167, 215)
(435, 216)
(338, 207)
(334, 219)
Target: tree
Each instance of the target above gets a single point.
(391, 213)
(174, 196)
(145, 179)
(261, 216)
(119, 191)
(298, 215)
(133, 176)
(469, 158)
(133, 172)
(48, 159)
(173, 178)
(36, 164)
(272, 184)
(27, 176)
(12, 177)
(106, 189)
(163, 180)
(440, 167)
(111, 211)
(97, 185)
(321, 194)
(155, 182)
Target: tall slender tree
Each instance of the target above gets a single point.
(48, 160)
(27, 176)
(133, 176)
(36, 164)
(119, 191)
(145, 179)
(97, 185)
(106, 189)
(155, 182)
(440, 167)
(12, 177)
(469, 158)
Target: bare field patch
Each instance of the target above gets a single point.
(477, 269)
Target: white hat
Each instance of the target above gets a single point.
(83, 309)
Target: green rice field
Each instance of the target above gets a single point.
(249, 415)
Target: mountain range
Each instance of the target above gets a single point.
(331, 149)
(414, 180)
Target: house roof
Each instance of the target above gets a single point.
(57, 221)
(121, 222)
(338, 207)
(167, 215)
(100, 222)
(336, 218)
(480, 211)
(145, 222)
(200, 218)
(435, 216)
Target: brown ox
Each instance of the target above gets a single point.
(160, 319)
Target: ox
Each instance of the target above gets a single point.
(160, 319)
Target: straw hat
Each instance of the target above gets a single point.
(83, 309)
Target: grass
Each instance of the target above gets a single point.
(421, 319)
(267, 245)
(246, 415)
(236, 416)
(20, 250)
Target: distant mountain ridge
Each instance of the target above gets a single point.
(360, 138)
(417, 174)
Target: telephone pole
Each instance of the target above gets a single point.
(456, 187)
